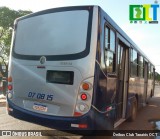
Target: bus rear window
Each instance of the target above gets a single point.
(61, 77)
(59, 33)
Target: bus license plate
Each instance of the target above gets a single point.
(40, 108)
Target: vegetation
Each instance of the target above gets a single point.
(7, 17)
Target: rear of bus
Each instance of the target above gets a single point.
(51, 69)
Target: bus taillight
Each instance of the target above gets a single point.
(84, 96)
(86, 86)
(83, 102)
(10, 87)
(83, 107)
(10, 79)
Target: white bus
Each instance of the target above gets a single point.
(74, 68)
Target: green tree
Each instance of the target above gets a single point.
(7, 17)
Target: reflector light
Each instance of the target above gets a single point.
(83, 126)
(9, 87)
(77, 114)
(79, 125)
(83, 96)
(10, 79)
(85, 86)
(74, 125)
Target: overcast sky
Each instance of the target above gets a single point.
(146, 36)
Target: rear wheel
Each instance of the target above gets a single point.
(133, 112)
(151, 93)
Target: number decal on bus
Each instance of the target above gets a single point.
(31, 94)
(40, 96)
(50, 97)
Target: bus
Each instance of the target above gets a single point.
(74, 68)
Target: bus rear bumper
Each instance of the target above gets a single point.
(84, 122)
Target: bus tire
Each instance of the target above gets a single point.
(151, 93)
(133, 112)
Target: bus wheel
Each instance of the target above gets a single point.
(151, 94)
(133, 112)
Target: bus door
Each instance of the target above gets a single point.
(145, 80)
(122, 86)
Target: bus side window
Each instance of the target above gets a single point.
(152, 74)
(140, 66)
(109, 61)
(134, 63)
(149, 71)
(110, 43)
